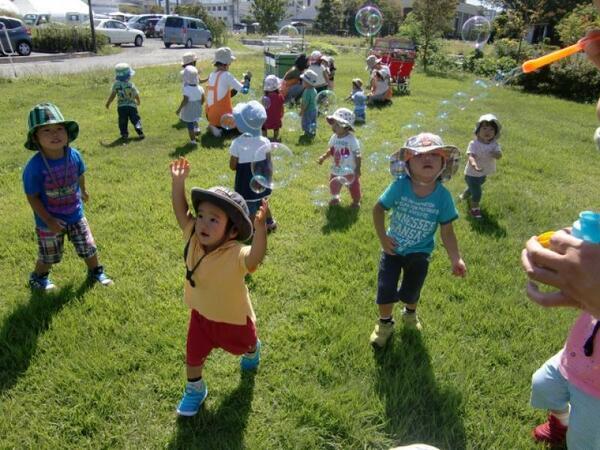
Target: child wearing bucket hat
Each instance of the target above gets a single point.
(318, 65)
(273, 102)
(418, 203)
(54, 183)
(190, 108)
(482, 153)
(216, 264)
(221, 83)
(249, 119)
(128, 99)
(358, 97)
(308, 104)
(344, 148)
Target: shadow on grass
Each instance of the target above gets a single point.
(180, 125)
(21, 329)
(417, 408)
(220, 429)
(118, 142)
(183, 150)
(207, 140)
(305, 139)
(486, 225)
(339, 218)
(380, 104)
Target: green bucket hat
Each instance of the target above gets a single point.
(48, 114)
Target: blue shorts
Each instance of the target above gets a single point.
(415, 267)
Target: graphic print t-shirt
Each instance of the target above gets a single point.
(414, 220)
(344, 151)
(58, 189)
(126, 93)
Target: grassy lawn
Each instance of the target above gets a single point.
(104, 368)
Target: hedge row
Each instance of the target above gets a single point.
(62, 39)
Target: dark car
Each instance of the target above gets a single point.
(18, 35)
(150, 28)
(140, 22)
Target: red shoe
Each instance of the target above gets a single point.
(551, 432)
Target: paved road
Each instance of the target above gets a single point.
(152, 53)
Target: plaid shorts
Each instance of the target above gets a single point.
(51, 245)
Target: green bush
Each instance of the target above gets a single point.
(510, 48)
(488, 66)
(56, 38)
(323, 47)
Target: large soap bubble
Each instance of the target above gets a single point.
(477, 31)
(291, 121)
(326, 102)
(273, 166)
(397, 165)
(368, 21)
(320, 195)
(289, 31)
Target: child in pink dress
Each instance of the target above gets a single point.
(273, 102)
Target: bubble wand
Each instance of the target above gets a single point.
(534, 64)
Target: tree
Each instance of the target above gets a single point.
(508, 25)
(329, 16)
(576, 24)
(268, 13)
(434, 17)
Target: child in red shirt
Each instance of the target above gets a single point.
(273, 102)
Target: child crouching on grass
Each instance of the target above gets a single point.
(418, 202)
(216, 264)
(54, 183)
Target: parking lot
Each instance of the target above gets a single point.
(153, 52)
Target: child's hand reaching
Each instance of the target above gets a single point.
(260, 220)
(388, 244)
(180, 169)
(459, 268)
(321, 159)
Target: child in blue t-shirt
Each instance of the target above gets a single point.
(359, 99)
(128, 99)
(418, 202)
(54, 183)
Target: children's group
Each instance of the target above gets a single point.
(226, 228)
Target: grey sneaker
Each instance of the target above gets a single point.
(40, 282)
(411, 320)
(381, 333)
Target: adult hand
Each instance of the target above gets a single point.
(592, 46)
(570, 265)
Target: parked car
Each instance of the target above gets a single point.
(186, 31)
(239, 28)
(18, 34)
(118, 32)
(150, 28)
(140, 22)
(121, 17)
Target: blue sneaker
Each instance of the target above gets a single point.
(250, 361)
(192, 399)
(97, 275)
(40, 282)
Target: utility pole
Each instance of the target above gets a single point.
(167, 7)
(91, 12)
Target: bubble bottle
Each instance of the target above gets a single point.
(246, 84)
(587, 228)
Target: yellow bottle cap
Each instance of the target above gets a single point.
(544, 238)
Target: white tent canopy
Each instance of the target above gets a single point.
(52, 7)
(8, 5)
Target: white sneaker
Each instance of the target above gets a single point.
(193, 142)
(216, 132)
(196, 130)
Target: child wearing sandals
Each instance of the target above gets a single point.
(216, 264)
(482, 154)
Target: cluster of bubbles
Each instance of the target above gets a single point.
(368, 21)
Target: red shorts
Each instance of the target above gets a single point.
(205, 335)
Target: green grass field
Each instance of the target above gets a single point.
(104, 368)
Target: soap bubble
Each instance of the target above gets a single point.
(291, 121)
(446, 106)
(377, 161)
(273, 165)
(289, 31)
(410, 129)
(419, 116)
(266, 102)
(368, 21)
(397, 165)
(257, 184)
(250, 95)
(225, 179)
(320, 195)
(477, 31)
(326, 101)
(461, 100)
(345, 180)
(227, 121)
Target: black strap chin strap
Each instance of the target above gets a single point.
(588, 347)
(188, 272)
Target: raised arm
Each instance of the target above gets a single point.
(259, 241)
(180, 169)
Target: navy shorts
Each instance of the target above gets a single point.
(414, 266)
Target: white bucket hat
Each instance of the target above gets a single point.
(343, 116)
(224, 55)
(188, 58)
(310, 77)
(316, 55)
(190, 75)
(371, 61)
(272, 83)
(489, 118)
(429, 142)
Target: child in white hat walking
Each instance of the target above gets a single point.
(190, 108)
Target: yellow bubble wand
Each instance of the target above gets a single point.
(534, 64)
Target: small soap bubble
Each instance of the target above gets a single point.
(320, 196)
(289, 31)
(368, 21)
(291, 121)
(227, 121)
(461, 100)
(326, 102)
(477, 31)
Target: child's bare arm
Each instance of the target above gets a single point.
(55, 225)
(388, 244)
(358, 165)
(180, 169)
(449, 239)
(184, 101)
(233, 161)
(473, 163)
(324, 156)
(84, 194)
(111, 97)
(137, 99)
(259, 241)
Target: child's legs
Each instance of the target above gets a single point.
(276, 134)
(191, 126)
(309, 122)
(354, 189)
(135, 119)
(334, 186)
(50, 249)
(549, 389)
(584, 432)
(415, 267)
(390, 267)
(198, 345)
(474, 184)
(82, 239)
(123, 118)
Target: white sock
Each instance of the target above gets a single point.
(196, 384)
(563, 417)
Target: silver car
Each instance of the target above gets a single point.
(186, 31)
